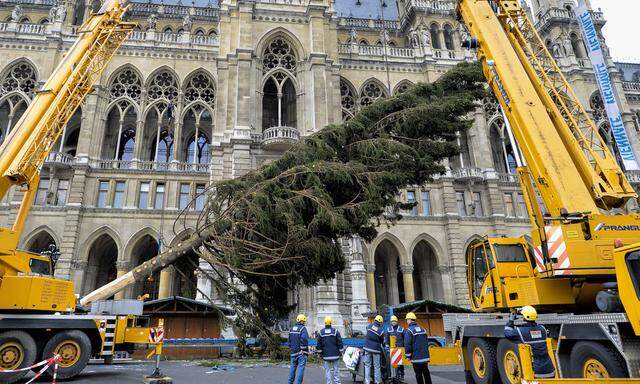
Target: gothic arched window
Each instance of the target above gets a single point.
(597, 105)
(402, 87)
(279, 92)
(504, 157)
(200, 87)
(120, 134)
(127, 145)
(163, 85)
(126, 83)
(198, 153)
(371, 92)
(164, 151)
(448, 37)
(20, 77)
(348, 99)
(279, 54)
(491, 106)
(435, 36)
(16, 90)
(578, 46)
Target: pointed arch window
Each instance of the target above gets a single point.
(198, 152)
(279, 102)
(200, 87)
(348, 99)
(448, 37)
(126, 83)
(163, 85)
(20, 77)
(503, 152)
(371, 92)
(434, 31)
(164, 147)
(279, 54)
(127, 145)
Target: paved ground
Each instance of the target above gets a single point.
(194, 373)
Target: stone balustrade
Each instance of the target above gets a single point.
(280, 137)
(631, 86)
(148, 166)
(59, 158)
(441, 7)
(136, 38)
(369, 52)
(359, 23)
(564, 16)
(145, 9)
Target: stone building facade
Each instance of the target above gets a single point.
(206, 92)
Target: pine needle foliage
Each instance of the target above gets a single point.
(279, 228)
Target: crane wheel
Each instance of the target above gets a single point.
(509, 362)
(17, 350)
(74, 348)
(482, 360)
(593, 360)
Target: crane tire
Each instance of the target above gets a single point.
(17, 350)
(74, 347)
(481, 355)
(508, 359)
(590, 359)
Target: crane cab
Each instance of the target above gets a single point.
(502, 274)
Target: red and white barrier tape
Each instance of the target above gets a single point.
(47, 363)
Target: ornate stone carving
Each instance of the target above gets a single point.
(279, 54)
(21, 77)
(425, 37)
(17, 13)
(152, 21)
(187, 23)
(126, 83)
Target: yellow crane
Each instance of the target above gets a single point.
(37, 310)
(576, 193)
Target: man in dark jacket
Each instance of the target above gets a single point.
(395, 330)
(299, 346)
(331, 348)
(535, 335)
(416, 347)
(373, 349)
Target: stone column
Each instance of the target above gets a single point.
(77, 269)
(122, 267)
(164, 290)
(407, 280)
(359, 297)
(371, 285)
(393, 291)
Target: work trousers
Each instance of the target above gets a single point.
(332, 371)
(372, 359)
(422, 373)
(297, 366)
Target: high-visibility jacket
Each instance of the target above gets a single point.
(330, 343)
(298, 340)
(375, 338)
(416, 344)
(535, 335)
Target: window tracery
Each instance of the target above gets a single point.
(200, 88)
(371, 92)
(163, 86)
(279, 54)
(348, 100)
(20, 77)
(126, 83)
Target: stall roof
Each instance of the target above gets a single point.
(183, 305)
(428, 306)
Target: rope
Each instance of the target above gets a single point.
(45, 364)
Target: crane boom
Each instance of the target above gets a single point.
(572, 166)
(30, 142)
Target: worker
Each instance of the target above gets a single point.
(416, 348)
(299, 346)
(535, 335)
(373, 349)
(395, 330)
(331, 348)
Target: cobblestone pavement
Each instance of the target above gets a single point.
(184, 372)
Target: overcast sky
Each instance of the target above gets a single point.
(622, 29)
